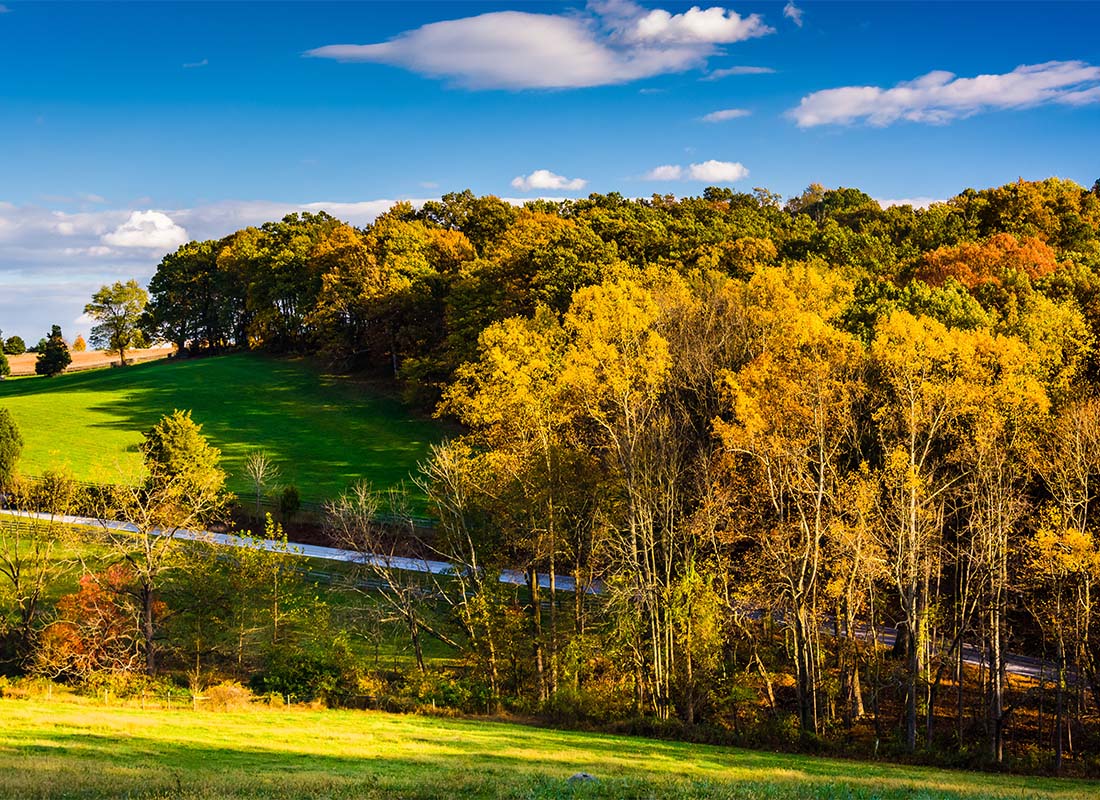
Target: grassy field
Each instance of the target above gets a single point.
(67, 749)
(323, 432)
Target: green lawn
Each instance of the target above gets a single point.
(324, 432)
(62, 748)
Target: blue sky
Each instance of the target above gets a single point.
(127, 128)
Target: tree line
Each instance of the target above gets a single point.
(751, 432)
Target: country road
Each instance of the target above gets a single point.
(511, 576)
(1019, 665)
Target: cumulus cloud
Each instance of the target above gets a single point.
(725, 114)
(793, 13)
(706, 171)
(718, 74)
(151, 229)
(718, 171)
(545, 179)
(665, 172)
(713, 25)
(940, 96)
(611, 42)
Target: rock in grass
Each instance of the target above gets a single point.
(582, 777)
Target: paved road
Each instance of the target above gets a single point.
(1024, 666)
(564, 583)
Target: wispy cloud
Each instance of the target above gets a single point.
(706, 171)
(793, 13)
(545, 179)
(941, 96)
(718, 74)
(4, 9)
(725, 114)
(195, 64)
(611, 42)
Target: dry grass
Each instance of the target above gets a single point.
(89, 359)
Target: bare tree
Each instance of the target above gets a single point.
(262, 473)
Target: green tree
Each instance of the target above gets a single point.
(183, 490)
(5, 368)
(53, 354)
(15, 346)
(11, 445)
(117, 310)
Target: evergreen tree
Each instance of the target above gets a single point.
(53, 356)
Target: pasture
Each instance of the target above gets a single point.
(323, 432)
(73, 748)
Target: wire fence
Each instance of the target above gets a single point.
(314, 511)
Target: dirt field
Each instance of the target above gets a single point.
(90, 359)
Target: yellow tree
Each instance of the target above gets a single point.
(615, 372)
(511, 397)
(791, 419)
(1062, 563)
(927, 378)
(998, 438)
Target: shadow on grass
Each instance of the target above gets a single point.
(458, 760)
(323, 432)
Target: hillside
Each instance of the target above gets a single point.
(89, 359)
(323, 432)
(72, 749)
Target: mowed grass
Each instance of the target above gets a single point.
(66, 749)
(323, 432)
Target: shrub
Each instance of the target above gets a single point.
(227, 696)
(289, 501)
(326, 671)
(11, 446)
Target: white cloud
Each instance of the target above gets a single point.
(915, 202)
(196, 64)
(712, 26)
(151, 229)
(725, 114)
(612, 42)
(718, 171)
(793, 13)
(4, 9)
(665, 172)
(718, 74)
(545, 179)
(706, 171)
(939, 97)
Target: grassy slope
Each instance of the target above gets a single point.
(323, 432)
(67, 749)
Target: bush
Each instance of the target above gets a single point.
(11, 446)
(227, 696)
(289, 502)
(328, 672)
